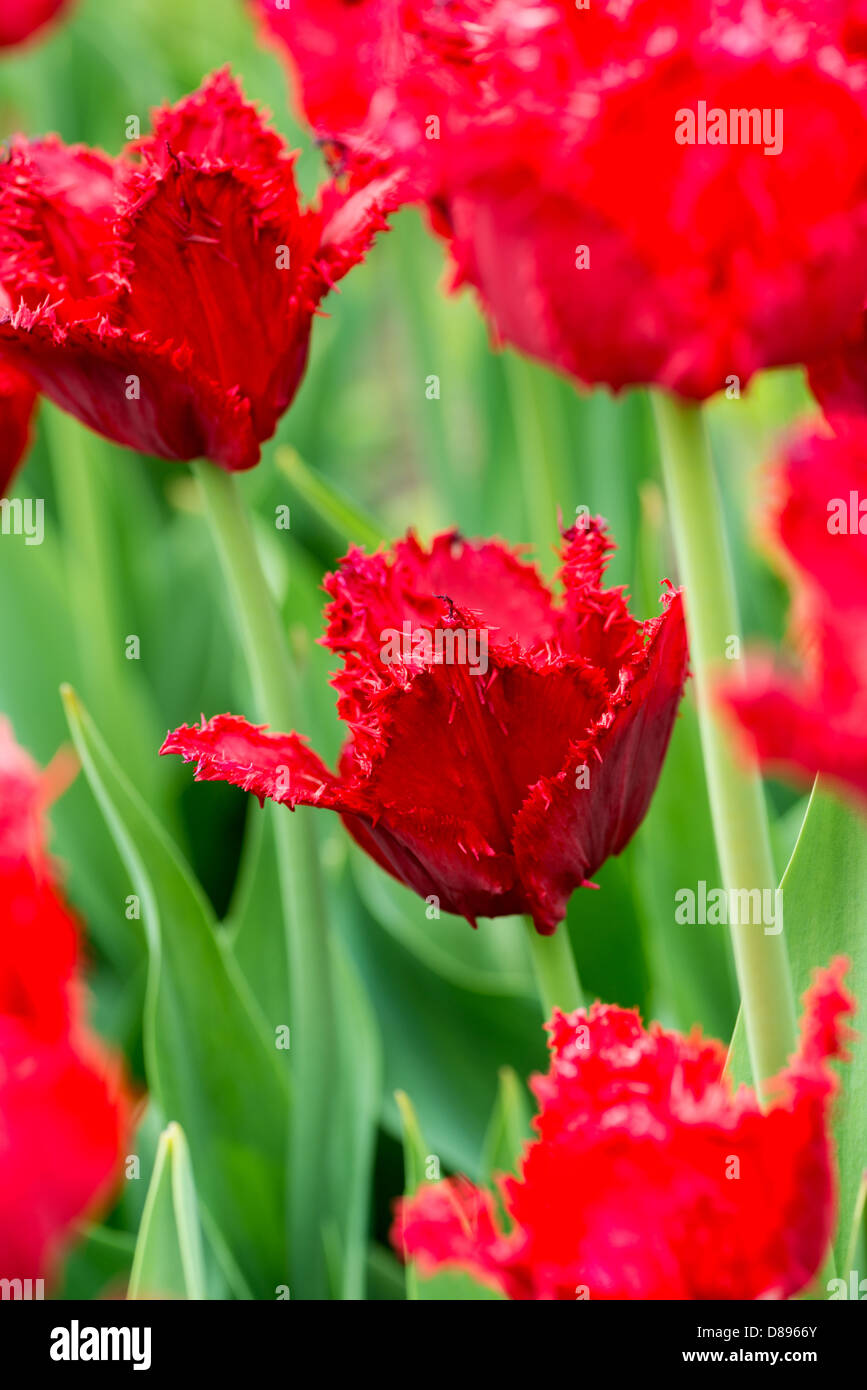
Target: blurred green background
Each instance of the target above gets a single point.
(127, 551)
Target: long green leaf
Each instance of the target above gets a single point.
(360, 1073)
(509, 1127)
(168, 1260)
(210, 1061)
(825, 915)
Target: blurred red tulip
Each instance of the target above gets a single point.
(816, 721)
(21, 19)
(640, 192)
(651, 1177)
(64, 1112)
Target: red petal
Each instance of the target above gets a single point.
(566, 830)
(337, 48)
(595, 621)
(56, 210)
(452, 1223)
(21, 19)
(56, 1099)
(17, 404)
(88, 368)
(280, 766)
(217, 127)
(205, 265)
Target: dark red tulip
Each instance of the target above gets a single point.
(501, 743)
(166, 298)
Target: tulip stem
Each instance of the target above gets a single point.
(736, 793)
(554, 966)
(277, 699)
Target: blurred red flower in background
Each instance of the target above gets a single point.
(630, 1190)
(498, 780)
(64, 1114)
(17, 403)
(166, 297)
(20, 19)
(546, 141)
(816, 720)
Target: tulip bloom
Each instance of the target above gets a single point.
(650, 1176)
(816, 721)
(502, 744)
(21, 19)
(17, 403)
(639, 192)
(64, 1115)
(166, 297)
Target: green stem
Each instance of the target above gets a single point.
(736, 793)
(91, 562)
(277, 699)
(554, 967)
(537, 452)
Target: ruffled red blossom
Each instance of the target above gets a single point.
(64, 1113)
(502, 744)
(21, 19)
(546, 142)
(166, 297)
(17, 403)
(629, 1192)
(815, 720)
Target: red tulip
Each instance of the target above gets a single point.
(20, 19)
(502, 744)
(166, 297)
(816, 721)
(64, 1114)
(651, 1177)
(599, 177)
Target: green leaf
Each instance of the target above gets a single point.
(856, 1247)
(352, 525)
(414, 1157)
(97, 1266)
(168, 1260)
(424, 1019)
(509, 1127)
(211, 1063)
(493, 959)
(359, 1071)
(824, 911)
